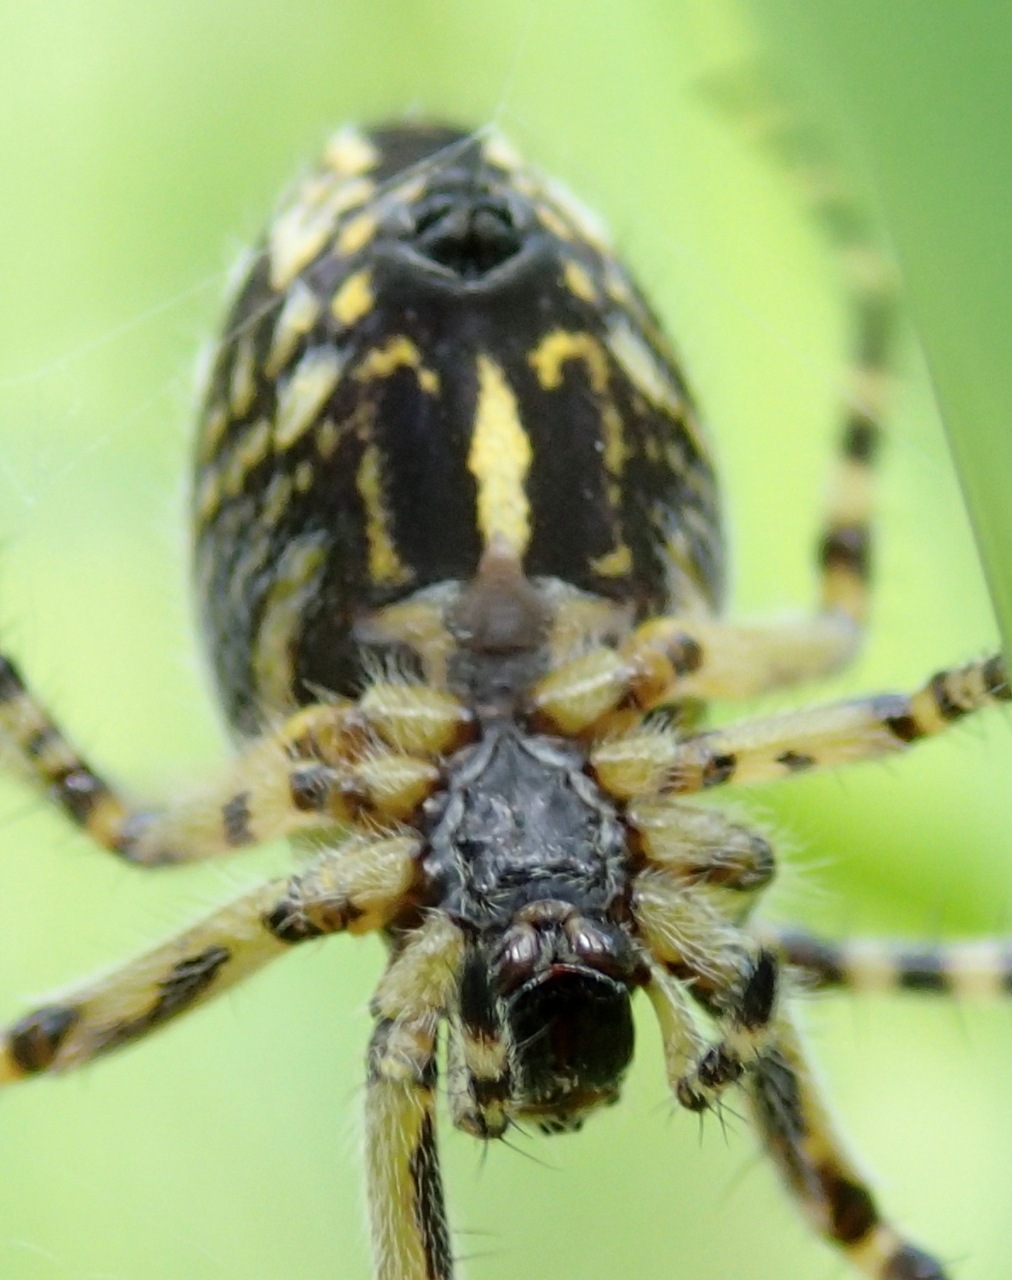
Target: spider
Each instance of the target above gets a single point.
(459, 558)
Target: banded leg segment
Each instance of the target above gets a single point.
(980, 968)
(672, 659)
(702, 876)
(797, 1133)
(357, 887)
(760, 109)
(410, 1235)
(323, 768)
(649, 761)
(734, 977)
(36, 749)
(327, 765)
(478, 1056)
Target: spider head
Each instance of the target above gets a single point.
(547, 1019)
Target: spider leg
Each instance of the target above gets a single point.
(672, 659)
(978, 968)
(654, 760)
(732, 975)
(478, 1058)
(703, 848)
(796, 1132)
(679, 1034)
(410, 1235)
(744, 1015)
(702, 876)
(804, 153)
(358, 886)
(326, 764)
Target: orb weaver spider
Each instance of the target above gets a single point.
(460, 562)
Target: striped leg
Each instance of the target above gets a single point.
(478, 1059)
(734, 977)
(797, 1134)
(410, 1236)
(327, 764)
(654, 760)
(702, 875)
(672, 659)
(357, 887)
(745, 1017)
(760, 108)
(975, 969)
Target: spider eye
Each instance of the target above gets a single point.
(573, 1033)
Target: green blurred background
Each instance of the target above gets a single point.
(141, 145)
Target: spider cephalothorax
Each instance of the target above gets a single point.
(459, 562)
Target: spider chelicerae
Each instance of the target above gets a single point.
(460, 563)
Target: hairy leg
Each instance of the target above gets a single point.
(358, 886)
(650, 761)
(797, 1133)
(327, 764)
(410, 1235)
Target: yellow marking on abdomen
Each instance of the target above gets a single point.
(561, 346)
(579, 283)
(209, 496)
(590, 226)
(613, 564)
(246, 454)
(644, 370)
(499, 459)
(213, 426)
(356, 233)
(554, 351)
(354, 299)
(225, 477)
(385, 566)
(350, 154)
(304, 476)
(552, 223)
(650, 375)
(300, 231)
(243, 383)
(399, 352)
(327, 438)
(500, 151)
(276, 500)
(295, 582)
(304, 394)
(296, 318)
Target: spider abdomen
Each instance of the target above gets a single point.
(432, 352)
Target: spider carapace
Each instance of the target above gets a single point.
(459, 562)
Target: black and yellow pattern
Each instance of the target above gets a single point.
(971, 969)
(460, 565)
(433, 354)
